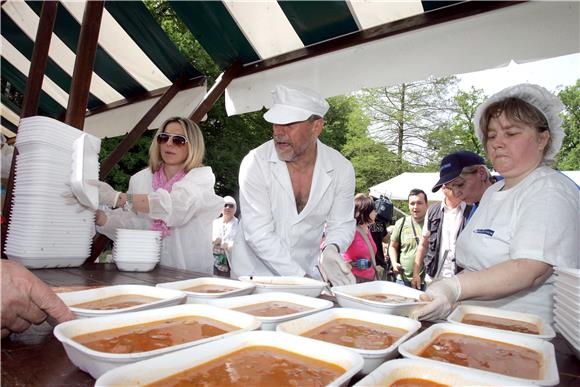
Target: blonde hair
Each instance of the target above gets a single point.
(195, 145)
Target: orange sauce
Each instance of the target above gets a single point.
(209, 289)
(416, 382)
(387, 298)
(117, 302)
(487, 355)
(500, 323)
(356, 334)
(256, 366)
(272, 309)
(154, 335)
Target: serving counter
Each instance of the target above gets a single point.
(37, 358)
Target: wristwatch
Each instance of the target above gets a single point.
(128, 206)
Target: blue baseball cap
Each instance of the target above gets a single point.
(453, 164)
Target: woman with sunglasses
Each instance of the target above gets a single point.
(175, 195)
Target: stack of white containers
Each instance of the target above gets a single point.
(137, 250)
(44, 230)
(567, 306)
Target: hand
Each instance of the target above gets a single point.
(416, 281)
(398, 268)
(27, 300)
(217, 242)
(443, 295)
(70, 199)
(107, 194)
(334, 268)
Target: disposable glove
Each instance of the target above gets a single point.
(107, 194)
(70, 199)
(334, 268)
(443, 295)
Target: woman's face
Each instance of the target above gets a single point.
(514, 148)
(373, 216)
(173, 154)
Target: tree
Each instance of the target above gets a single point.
(403, 115)
(569, 156)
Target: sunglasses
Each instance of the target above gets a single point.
(228, 206)
(176, 139)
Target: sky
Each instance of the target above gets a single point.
(550, 73)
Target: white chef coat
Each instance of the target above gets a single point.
(273, 238)
(189, 210)
(537, 219)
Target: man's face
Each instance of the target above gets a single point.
(295, 139)
(418, 207)
(468, 187)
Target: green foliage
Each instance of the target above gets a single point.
(569, 157)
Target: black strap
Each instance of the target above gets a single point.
(414, 232)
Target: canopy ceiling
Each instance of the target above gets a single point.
(333, 46)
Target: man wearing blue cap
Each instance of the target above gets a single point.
(290, 188)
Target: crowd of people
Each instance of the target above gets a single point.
(491, 242)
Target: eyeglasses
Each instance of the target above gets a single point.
(176, 139)
(229, 206)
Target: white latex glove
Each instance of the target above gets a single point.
(334, 268)
(107, 194)
(70, 199)
(443, 295)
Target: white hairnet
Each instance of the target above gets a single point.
(541, 99)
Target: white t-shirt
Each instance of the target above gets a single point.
(537, 219)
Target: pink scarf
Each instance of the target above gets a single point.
(160, 181)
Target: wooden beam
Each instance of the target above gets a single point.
(31, 96)
(84, 62)
(423, 20)
(216, 91)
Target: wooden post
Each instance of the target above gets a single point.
(32, 95)
(84, 62)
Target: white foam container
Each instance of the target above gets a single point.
(545, 329)
(160, 367)
(394, 370)
(569, 276)
(97, 363)
(270, 323)
(241, 288)
(168, 297)
(138, 266)
(548, 372)
(348, 296)
(372, 358)
(299, 285)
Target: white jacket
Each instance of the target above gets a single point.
(189, 210)
(273, 239)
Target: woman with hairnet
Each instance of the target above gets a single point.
(525, 224)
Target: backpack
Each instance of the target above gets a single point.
(384, 209)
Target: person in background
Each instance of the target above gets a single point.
(290, 187)
(27, 300)
(436, 251)
(379, 232)
(224, 231)
(527, 223)
(7, 151)
(175, 195)
(405, 238)
(362, 251)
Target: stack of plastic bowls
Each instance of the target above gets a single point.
(137, 250)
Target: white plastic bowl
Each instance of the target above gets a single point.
(270, 323)
(548, 372)
(97, 363)
(546, 331)
(348, 296)
(240, 288)
(395, 370)
(134, 265)
(167, 297)
(161, 367)
(372, 358)
(299, 285)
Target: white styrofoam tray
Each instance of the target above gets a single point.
(270, 323)
(545, 329)
(548, 371)
(97, 363)
(299, 285)
(348, 296)
(160, 367)
(394, 370)
(167, 297)
(372, 358)
(240, 288)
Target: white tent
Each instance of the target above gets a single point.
(398, 187)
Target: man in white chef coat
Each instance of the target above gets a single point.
(290, 188)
